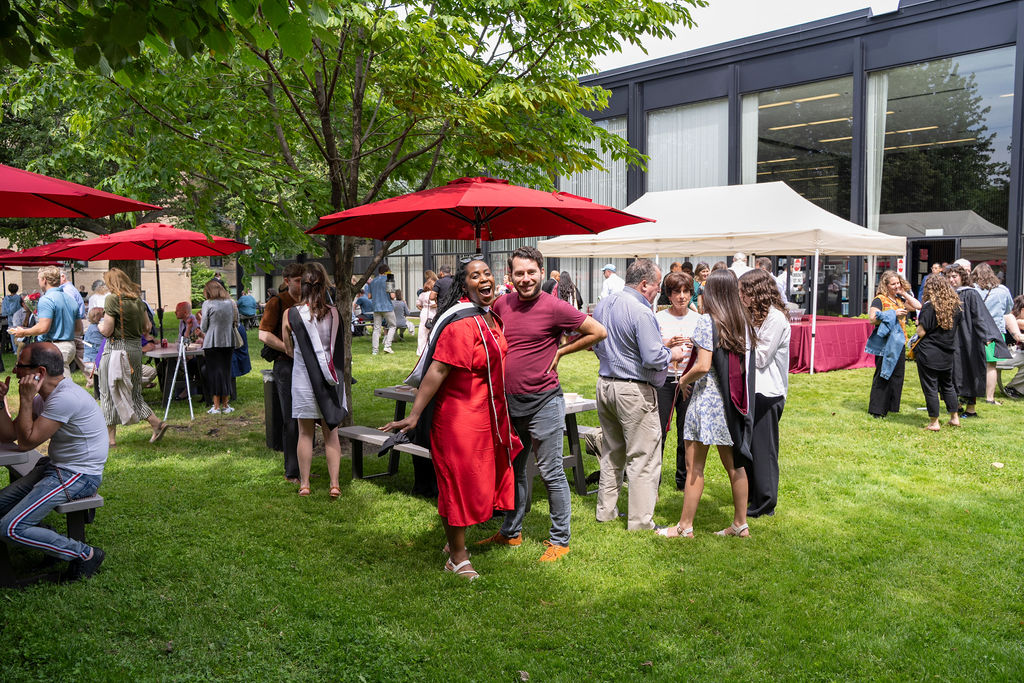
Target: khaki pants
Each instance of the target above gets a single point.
(67, 351)
(628, 412)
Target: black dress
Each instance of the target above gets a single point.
(886, 393)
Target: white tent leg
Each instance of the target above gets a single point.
(814, 306)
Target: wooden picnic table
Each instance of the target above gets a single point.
(403, 394)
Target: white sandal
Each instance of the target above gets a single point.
(464, 569)
(680, 532)
(734, 530)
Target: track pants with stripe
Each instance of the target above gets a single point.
(25, 503)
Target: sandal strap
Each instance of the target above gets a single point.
(464, 568)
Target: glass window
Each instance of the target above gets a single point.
(938, 157)
(607, 186)
(803, 136)
(688, 146)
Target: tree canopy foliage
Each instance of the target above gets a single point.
(267, 115)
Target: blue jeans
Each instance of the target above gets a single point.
(27, 501)
(541, 434)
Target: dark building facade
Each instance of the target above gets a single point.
(902, 123)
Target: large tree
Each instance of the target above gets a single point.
(294, 110)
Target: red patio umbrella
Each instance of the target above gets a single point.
(41, 255)
(30, 195)
(475, 209)
(151, 242)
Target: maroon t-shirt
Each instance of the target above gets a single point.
(533, 329)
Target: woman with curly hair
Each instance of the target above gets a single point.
(719, 414)
(936, 332)
(759, 292)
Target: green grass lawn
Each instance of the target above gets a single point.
(895, 554)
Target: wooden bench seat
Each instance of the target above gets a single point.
(359, 435)
(79, 513)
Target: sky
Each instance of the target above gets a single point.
(725, 20)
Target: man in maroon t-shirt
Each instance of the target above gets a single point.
(534, 324)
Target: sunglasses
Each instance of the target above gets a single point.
(27, 366)
(470, 259)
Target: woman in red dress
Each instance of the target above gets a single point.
(472, 444)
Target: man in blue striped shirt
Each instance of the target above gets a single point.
(633, 362)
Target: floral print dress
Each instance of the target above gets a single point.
(705, 418)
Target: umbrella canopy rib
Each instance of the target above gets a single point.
(579, 225)
(63, 206)
(401, 226)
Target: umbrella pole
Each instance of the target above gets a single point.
(814, 307)
(159, 297)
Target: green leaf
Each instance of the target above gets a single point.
(275, 11)
(183, 44)
(123, 78)
(265, 38)
(296, 38)
(128, 27)
(242, 10)
(18, 51)
(219, 41)
(86, 56)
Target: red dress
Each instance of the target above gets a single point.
(471, 439)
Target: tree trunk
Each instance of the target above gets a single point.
(342, 272)
(131, 269)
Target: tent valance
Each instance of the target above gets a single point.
(767, 218)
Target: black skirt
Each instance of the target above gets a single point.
(218, 370)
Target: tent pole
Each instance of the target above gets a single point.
(814, 306)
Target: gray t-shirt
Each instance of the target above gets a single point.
(80, 444)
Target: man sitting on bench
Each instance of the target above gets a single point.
(52, 407)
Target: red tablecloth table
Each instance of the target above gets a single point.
(840, 344)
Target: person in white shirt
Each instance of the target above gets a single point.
(98, 296)
(677, 323)
(759, 293)
(739, 264)
(612, 282)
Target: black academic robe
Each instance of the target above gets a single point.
(976, 329)
(330, 397)
(741, 425)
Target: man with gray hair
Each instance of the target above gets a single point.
(633, 363)
(739, 264)
(56, 314)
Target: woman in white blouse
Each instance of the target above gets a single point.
(677, 324)
(760, 295)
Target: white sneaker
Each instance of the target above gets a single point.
(227, 410)
(388, 350)
(214, 411)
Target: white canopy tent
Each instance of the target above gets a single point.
(766, 218)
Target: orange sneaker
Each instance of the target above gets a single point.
(553, 552)
(498, 539)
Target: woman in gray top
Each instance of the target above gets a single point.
(220, 318)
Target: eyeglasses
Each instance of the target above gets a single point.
(27, 366)
(470, 259)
